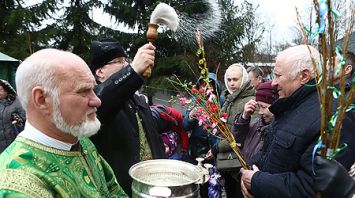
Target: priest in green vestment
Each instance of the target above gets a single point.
(53, 157)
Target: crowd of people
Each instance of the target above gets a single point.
(72, 129)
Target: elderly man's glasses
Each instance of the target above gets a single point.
(119, 62)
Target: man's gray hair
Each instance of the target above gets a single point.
(257, 71)
(31, 73)
(298, 58)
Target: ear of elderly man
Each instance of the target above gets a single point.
(53, 156)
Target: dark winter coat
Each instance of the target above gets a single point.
(347, 156)
(250, 134)
(118, 139)
(286, 158)
(12, 117)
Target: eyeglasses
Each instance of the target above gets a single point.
(120, 62)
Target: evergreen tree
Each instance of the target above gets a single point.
(74, 29)
(240, 34)
(19, 27)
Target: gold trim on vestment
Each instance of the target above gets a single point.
(23, 182)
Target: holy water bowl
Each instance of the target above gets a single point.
(165, 178)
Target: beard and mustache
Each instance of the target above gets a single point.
(86, 128)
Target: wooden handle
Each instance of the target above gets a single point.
(152, 35)
(148, 72)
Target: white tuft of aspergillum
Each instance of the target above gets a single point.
(164, 14)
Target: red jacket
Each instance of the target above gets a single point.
(174, 118)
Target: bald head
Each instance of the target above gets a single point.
(298, 58)
(47, 68)
(57, 59)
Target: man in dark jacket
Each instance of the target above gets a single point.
(347, 135)
(331, 177)
(128, 134)
(286, 160)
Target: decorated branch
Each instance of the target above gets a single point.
(335, 89)
(202, 63)
(206, 104)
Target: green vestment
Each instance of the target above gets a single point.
(30, 169)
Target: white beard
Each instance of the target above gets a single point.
(86, 128)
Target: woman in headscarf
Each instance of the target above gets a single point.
(12, 115)
(239, 91)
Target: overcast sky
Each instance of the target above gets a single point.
(281, 15)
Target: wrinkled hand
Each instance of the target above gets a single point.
(249, 108)
(245, 192)
(332, 178)
(144, 58)
(246, 180)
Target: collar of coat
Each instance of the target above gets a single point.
(284, 104)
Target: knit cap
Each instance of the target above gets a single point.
(265, 92)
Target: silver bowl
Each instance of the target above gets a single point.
(165, 178)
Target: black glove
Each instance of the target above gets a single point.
(333, 179)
